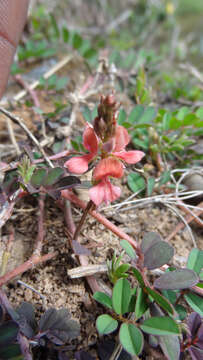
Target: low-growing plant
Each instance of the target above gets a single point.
(54, 329)
(154, 312)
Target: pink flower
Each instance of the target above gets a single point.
(110, 165)
(104, 192)
(122, 139)
(79, 164)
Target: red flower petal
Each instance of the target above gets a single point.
(104, 191)
(108, 167)
(122, 138)
(79, 164)
(90, 140)
(131, 157)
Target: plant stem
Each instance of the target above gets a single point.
(90, 206)
(94, 286)
(108, 224)
(32, 261)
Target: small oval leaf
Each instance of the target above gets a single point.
(106, 324)
(121, 296)
(128, 249)
(131, 339)
(38, 177)
(195, 302)
(195, 260)
(170, 346)
(141, 303)
(149, 239)
(53, 176)
(103, 299)
(161, 300)
(157, 255)
(139, 277)
(67, 182)
(176, 280)
(160, 325)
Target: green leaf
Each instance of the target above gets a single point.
(149, 238)
(121, 296)
(89, 53)
(143, 144)
(150, 185)
(149, 115)
(136, 182)
(195, 302)
(103, 299)
(8, 332)
(199, 113)
(201, 275)
(157, 255)
(38, 177)
(182, 312)
(195, 260)
(160, 300)
(128, 249)
(55, 26)
(77, 41)
(65, 34)
(170, 295)
(164, 178)
(131, 339)
(121, 117)
(176, 280)
(122, 269)
(141, 303)
(53, 176)
(139, 277)
(160, 325)
(136, 114)
(170, 346)
(106, 324)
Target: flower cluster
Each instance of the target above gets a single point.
(107, 141)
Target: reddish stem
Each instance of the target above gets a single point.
(32, 261)
(108, 224)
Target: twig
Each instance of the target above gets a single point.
(20, 122)
(7, 208)
(31, 288)
(7, 252)
(35, 99)
(12, 136)
(189, 218)
(34, 260)
(192, 70)
(83, 271)
(48, 74)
